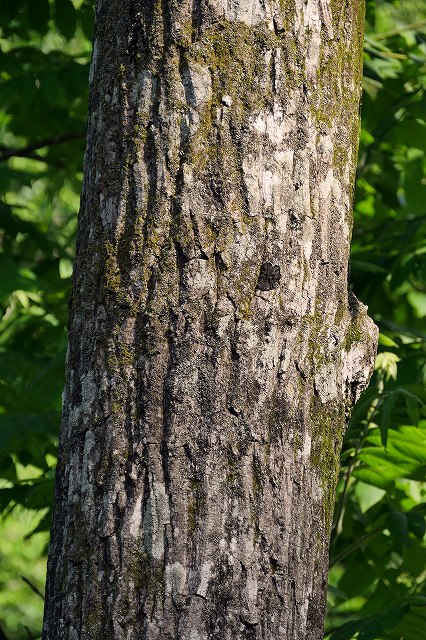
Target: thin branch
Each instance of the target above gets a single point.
(395, 32)
(346, 552)
(377, 402)
(385, 54)
(33, 587)
(28, 151)
(334, 629)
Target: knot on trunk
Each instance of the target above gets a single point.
(359, 350)
(269, 277)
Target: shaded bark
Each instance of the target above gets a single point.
(214, 350)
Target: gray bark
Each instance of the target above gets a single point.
(214, 350)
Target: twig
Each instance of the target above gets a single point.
(33, 587)
(334, 629)
(385, 54)
(346, 552)
(27, 152)
(395, 32)
(374, 407)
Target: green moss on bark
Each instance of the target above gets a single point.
(327, 426)
(234, 53)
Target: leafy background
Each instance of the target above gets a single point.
(377, 584)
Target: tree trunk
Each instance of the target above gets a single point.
(214, 350)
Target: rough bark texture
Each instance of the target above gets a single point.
(214, 350)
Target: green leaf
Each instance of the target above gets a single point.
(381, 468)
(416, 523)
(87, 16)
(406, 444)
(385, 415)
(414, 558)
(39, 14)
(66, 17)
(367, 495)
(65, 268)
(35, 495)
(376, 477)
(40, 495)
(386, 341)
(415, 191)
(13, 277)
(397, 524)
(43, 525)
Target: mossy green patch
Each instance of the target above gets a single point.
(354, 333)
(112, 274)
(327, 426)
(235, 56)
(92, 623)
(340, 313)
(296, 445)
(196, 505)
(288, 11)
(336, 93)
(145, 574)
(316, 331)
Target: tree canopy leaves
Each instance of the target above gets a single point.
(377, 578)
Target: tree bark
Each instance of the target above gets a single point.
(214, 349)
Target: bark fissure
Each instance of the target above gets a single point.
(214, 352)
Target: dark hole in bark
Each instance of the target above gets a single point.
(269, 277)
(294, 219)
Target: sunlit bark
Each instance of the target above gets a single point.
(214, 351)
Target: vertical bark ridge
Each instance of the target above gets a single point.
(214, 350)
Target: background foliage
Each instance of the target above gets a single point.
(378, 557)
